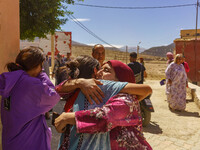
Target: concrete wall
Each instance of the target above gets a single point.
(9, 31)
(195, 93)
(9, 35)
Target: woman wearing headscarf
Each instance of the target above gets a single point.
(176, 84)
(170, 58)
(186, 66)
(107, 126)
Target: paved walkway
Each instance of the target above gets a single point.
(167, 130)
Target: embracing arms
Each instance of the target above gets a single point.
(141, 90)
(116, 106)
(120, 110)
(89, 87)
(91, 90)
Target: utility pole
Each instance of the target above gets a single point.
(197, 18)
(52, 51)
(195, 44)
(126, 53)
(138, 48)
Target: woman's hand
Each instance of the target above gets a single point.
(63, 120)
(91, 90)
(169, 81)
(89, 87)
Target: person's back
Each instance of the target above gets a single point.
(26, 95)
(59, 70)
(22, 120)
(46, 67)
(138, 68)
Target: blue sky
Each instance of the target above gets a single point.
(119, 27)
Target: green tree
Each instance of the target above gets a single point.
(41, 17)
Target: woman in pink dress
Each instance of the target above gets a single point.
(119, 116)
(186, 66)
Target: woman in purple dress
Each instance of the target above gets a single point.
(176, 84)
(27, 94)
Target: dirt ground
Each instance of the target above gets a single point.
(155, 69)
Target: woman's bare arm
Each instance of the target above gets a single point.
(141, 90)
(63, 120)
(89, 87)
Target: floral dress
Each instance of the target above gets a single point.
(116, 125)
(176, 92)
(121, 117)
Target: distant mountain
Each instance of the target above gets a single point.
(112, 48)
(74, 43)
(132, 49)
(160, 50)
(154, 51)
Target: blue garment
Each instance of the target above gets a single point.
(99, 141)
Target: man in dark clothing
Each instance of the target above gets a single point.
(67, 58)
(59, 70)
(138, 68)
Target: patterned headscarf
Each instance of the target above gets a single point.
(123, 72)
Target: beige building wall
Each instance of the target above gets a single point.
(9, 31)
(9, 34)
(189, 33)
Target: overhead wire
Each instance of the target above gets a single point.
(88, 30)
(112, 7)
(153, 7)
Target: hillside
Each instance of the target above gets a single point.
(159, 51)
(74, 43)
(132, 49)
(112, 53)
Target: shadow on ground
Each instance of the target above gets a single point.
(189, 100)
(153, 128)
(187, 114)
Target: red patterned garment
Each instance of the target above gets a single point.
(121, 117)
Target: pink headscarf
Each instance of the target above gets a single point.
(170, 57)
(123, 72)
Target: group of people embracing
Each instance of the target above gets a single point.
(102, 109)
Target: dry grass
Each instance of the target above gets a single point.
(155, 66)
